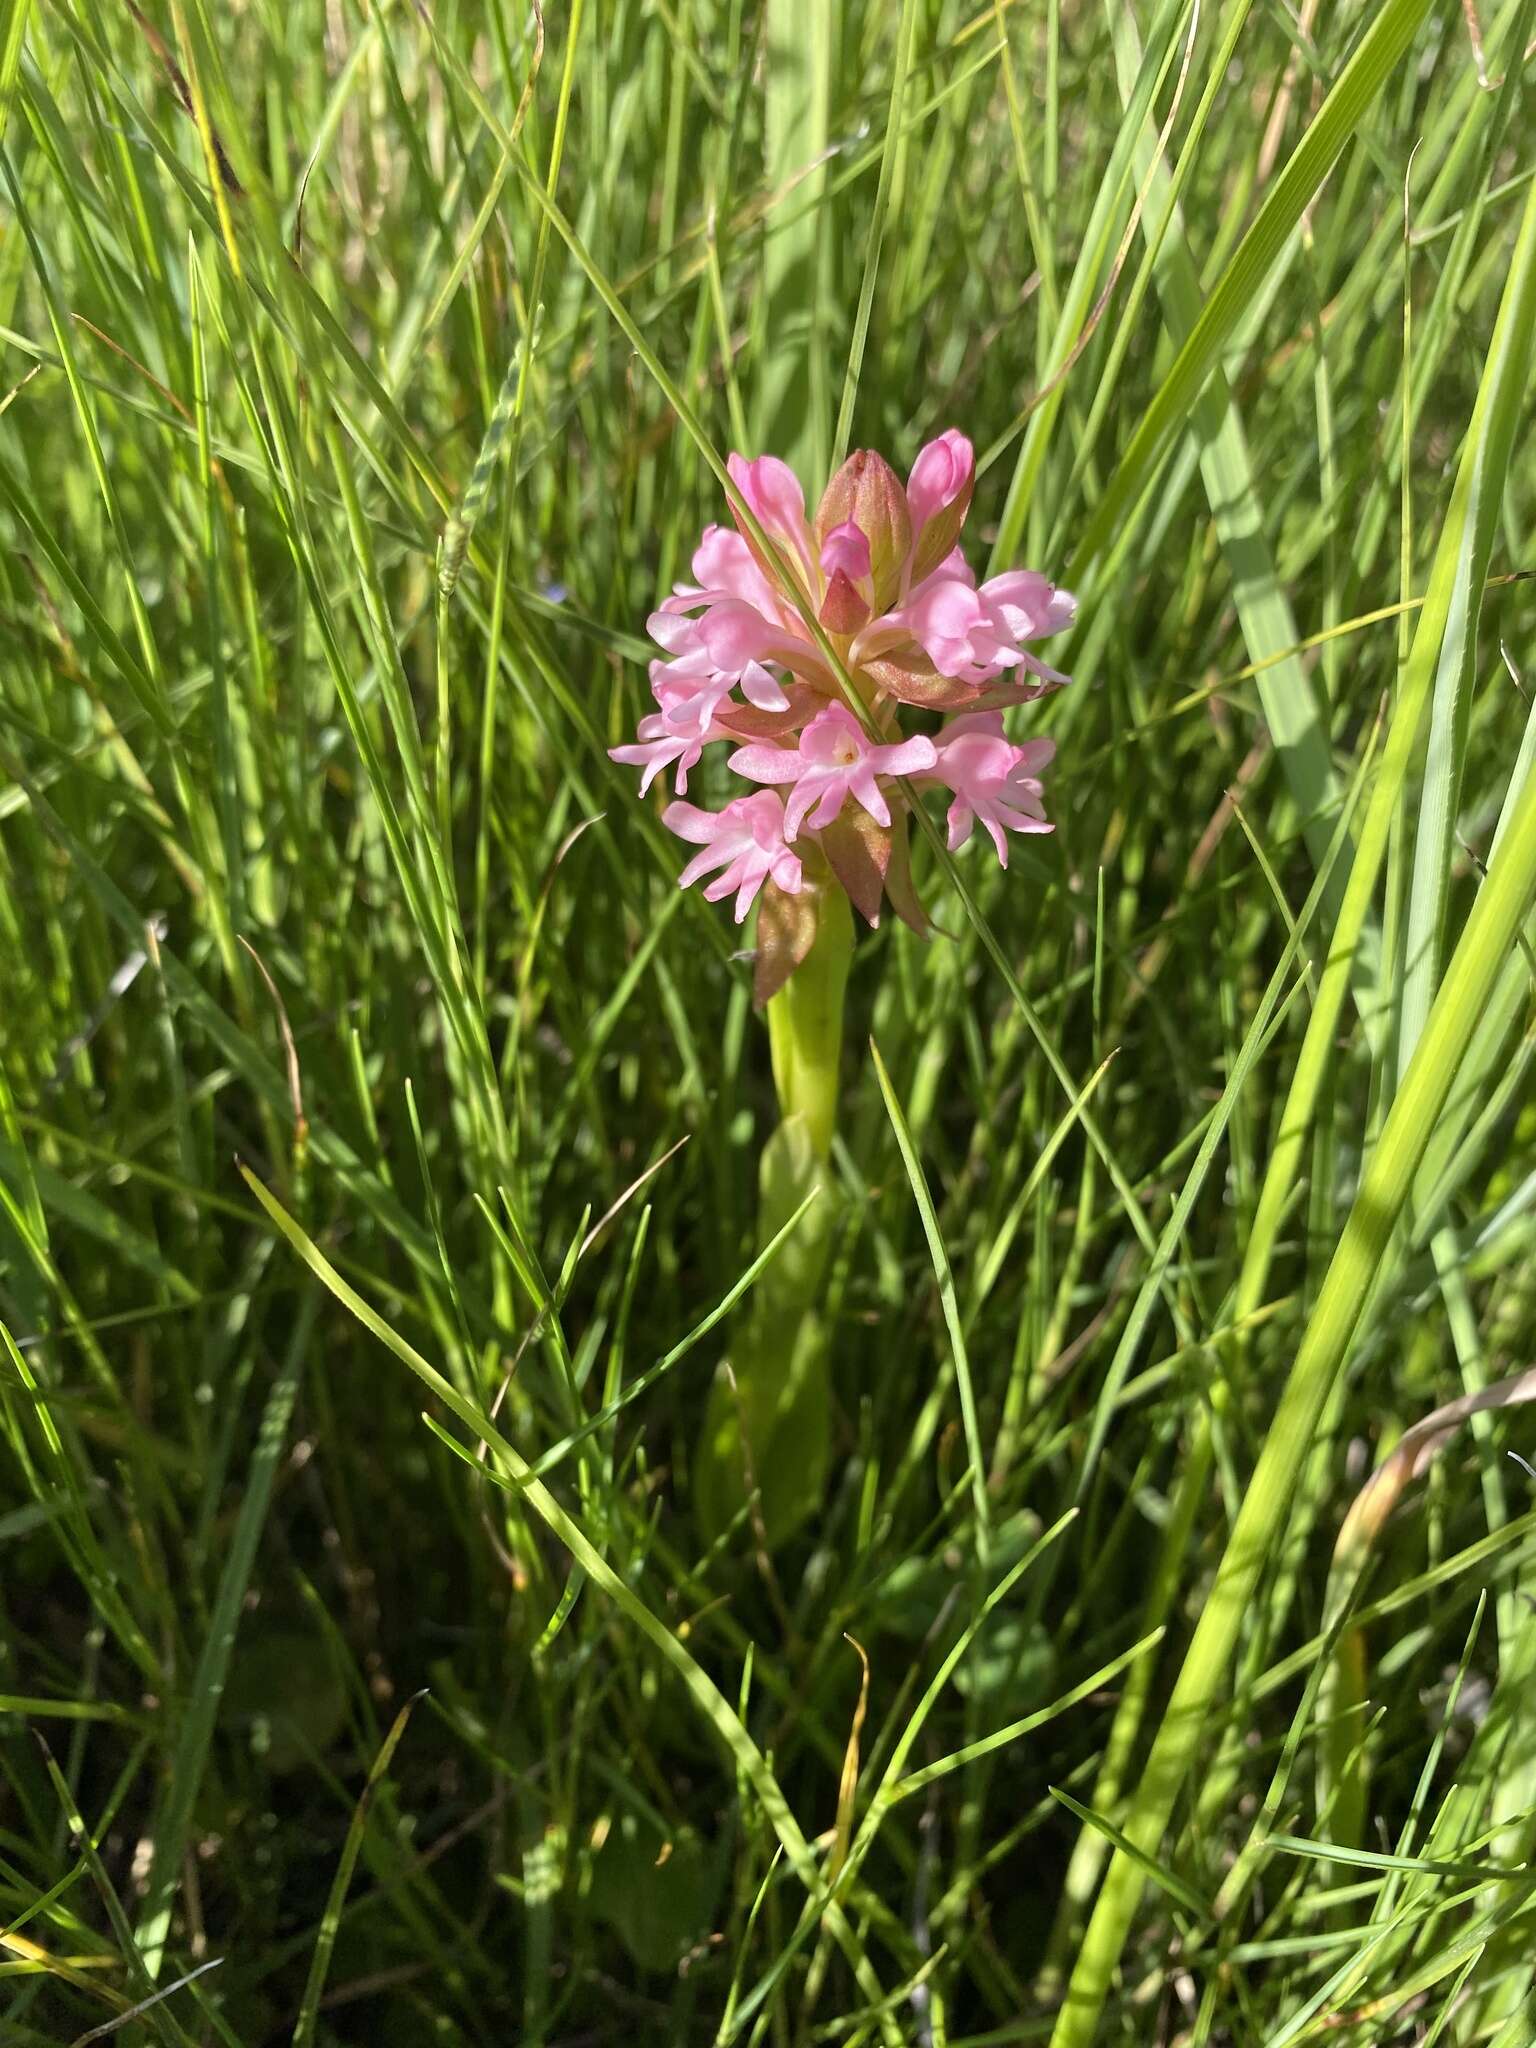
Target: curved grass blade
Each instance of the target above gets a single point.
(1491, 932)
(1380, 51)
(330, 1922)
(953, 1321)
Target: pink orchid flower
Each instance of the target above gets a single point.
(992, 779)
(792, 617)
(745, 841)
(834, 760)
(975, 634)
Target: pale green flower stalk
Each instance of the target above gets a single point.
(768, 1422)
(880, 572)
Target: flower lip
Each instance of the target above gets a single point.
(745, 842)
(835, 760)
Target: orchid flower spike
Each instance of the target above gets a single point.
(878, 576)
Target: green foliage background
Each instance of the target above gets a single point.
(1199, 1162)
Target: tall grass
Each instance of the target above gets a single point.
(379, 1124)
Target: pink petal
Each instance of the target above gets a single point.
(652, 756)
(943, 607)
(735, 633)
(821, 787)
(747, 892)
(863, 787)
(1024, 598)
(762, 689)
(786, 871)
(774, 497)
(672, 631)
(723, 562)
(943, 469)
(986, 724)
(828, 732)
(768, 764)
(911, 757)
(846, 547)
(689, 822)
(711, 857)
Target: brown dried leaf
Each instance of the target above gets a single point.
(1416, 1449)
(859, 851)
(786, 931)
(915, 680)
(898, 882)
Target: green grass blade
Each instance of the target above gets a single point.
(1497, 916)
(1379, 52)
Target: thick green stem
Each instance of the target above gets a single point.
(805, 1024)
(767, 1430)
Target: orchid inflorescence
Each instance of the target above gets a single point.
(880, 571)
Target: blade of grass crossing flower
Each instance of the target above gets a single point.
(1491, 931)
(1380, 50)
(944, 1275)
(701, 1689)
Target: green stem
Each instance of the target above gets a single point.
(805, 1024)
(768, 1425)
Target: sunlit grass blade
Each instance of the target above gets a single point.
(1378, 53)
(1497, 916)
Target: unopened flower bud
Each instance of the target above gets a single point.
(867, 493)
(938, 497)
